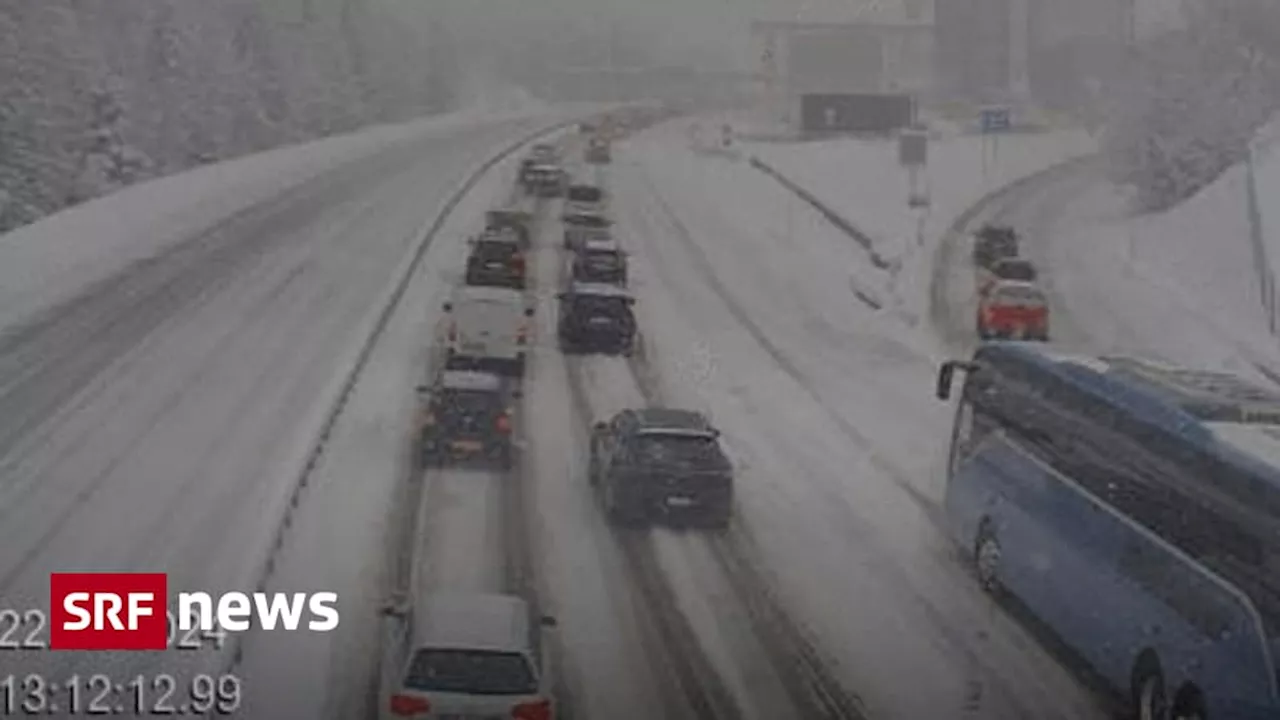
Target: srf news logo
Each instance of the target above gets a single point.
(129, 611)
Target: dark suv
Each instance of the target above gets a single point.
(993, 243)
(661, 463)
(466, 415)
(497, 260)
(600, 261)
(595, 317)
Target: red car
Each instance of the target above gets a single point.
(1013, 310)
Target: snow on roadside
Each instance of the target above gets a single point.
(1180, 284)
(862, 181)
(59, 256)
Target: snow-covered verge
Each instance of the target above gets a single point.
(1181, 284)
(51, 260)
(861, 181)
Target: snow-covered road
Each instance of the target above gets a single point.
(155, 421)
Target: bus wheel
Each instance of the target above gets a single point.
(1148, 690)
(986, 557)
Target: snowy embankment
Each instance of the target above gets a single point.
(56, 258)
(1182, 284)
(861, 181)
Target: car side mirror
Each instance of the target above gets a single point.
(528, 312)
(548, 621)
(423, 389)
(447, 307)
(517, 393)
(600, 427)
(631, 301)
(561, 295)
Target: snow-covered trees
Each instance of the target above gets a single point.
(1193, 98)
(95, 94)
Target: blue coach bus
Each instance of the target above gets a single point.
(1134, 508)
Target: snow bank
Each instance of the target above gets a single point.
(57, 257)
(1180, 284)
(862, 181)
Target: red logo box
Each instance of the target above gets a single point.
(108, 611)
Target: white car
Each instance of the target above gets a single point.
(473, 656)
(487, 328)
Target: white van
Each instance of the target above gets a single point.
(464, 655)
(487, 328)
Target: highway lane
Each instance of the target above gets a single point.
(152, 423)
(838, 515)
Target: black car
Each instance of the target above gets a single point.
(600, 261)
(497, 260)
(661, 463)
(466, 416)
(595, 317)
(545, 181)
(580, 225)
(992, 243)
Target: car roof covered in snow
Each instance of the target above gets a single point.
(480, 621)
(601, 243)
(470, 380)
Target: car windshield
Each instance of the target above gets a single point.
(472, 672)
(656, 448)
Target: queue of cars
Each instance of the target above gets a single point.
(478, 655)
(1011, 305)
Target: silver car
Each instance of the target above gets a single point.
(469, 657)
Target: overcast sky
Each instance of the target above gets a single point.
(703, 32)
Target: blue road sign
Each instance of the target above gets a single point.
(995, 120)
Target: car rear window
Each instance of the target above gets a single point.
(585, 194)
(1020, 295)
(1016, 271)
(475, 672)
(495, 249)
(659, 449)
(591, 221)
(465, 403)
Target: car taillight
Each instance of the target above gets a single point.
(503, 423)
(518, 261)
(522, 335)
(408, 706)
(453, 332)
(537, 710)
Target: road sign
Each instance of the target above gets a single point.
(996, 120)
